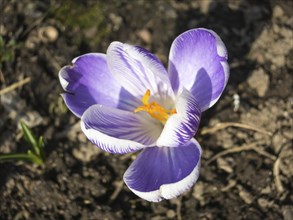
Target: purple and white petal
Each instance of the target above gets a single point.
(164, 172)
(88, 82)
(198, 62)
(182, 126)
(138, 70)
(118, 131)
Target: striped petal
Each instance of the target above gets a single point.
(182, 126)
(163, 172)
(138, 70)
(118, 131)
(88, 82)
(198, 62)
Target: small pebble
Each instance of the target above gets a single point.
(263, 203)
(278, 11)
(171, 214)
(145, 35)
(116, 20)
(48, 34)
(259, 81)
(224, 165)
(247, 197)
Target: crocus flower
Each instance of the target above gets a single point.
(127, 101)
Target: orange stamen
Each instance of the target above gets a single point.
(154, 109)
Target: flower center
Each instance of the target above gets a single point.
(154, 109)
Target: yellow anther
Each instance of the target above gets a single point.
(154, 109)
(146, 97)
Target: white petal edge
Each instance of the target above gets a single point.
(62, 71)
(63, 82)
(221, 48)
(87, 54)
(226, 70)
(103, 141)
(172, 190)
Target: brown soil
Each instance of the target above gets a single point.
(250, 179)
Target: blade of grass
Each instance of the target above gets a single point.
(25, 157)
(29, 136)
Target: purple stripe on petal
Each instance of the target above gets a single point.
(163, 172)
(137, 70)
(108, 143)
(88, 82)
(198, 62)
(182, 126)
(121, 124)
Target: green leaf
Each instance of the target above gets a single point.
(41, 147)
(1, 42)
(30, 138)
(41, 142)
(35, 154)
(24, 157)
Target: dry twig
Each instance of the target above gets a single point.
(223, 125)
(178, 210)
(276, 172)
(15, 85)
(252, 146)
(118, 189)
